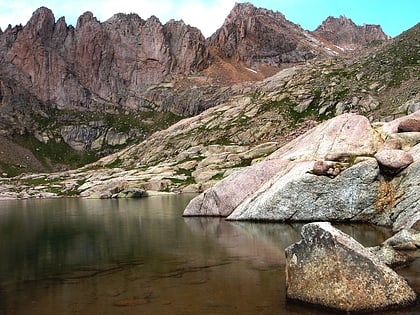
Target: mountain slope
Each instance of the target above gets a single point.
(258, 118)
(99, 87)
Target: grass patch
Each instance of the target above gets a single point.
(114, 164)
(55, 152)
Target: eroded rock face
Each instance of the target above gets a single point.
(344, 33)
(329, 268)
(102, 64)
(257, 37)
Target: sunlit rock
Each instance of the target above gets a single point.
(329, 268)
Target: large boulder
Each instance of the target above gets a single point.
(406, 212)
(345, 169)
(300, 196)
(226, 195)
(329, 268)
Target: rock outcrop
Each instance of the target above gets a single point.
(98, 65)
(329, 268)
(344, 33)
(259, 37)
(326, 174)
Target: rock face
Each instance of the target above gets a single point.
(99, 63)
(260, 37)
(331, 269)
(299, 196)
(328, 173)
(344, 33)
(135, 67)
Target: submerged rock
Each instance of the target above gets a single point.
(329, 268)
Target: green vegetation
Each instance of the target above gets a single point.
(55, 152)
(114, 164)
(218, 176)
(10, 170)
(120, 121)
(186, 182)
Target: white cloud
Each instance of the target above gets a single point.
(208, 17)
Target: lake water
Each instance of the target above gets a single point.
(75, 256)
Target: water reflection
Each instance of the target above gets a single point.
(73, 256)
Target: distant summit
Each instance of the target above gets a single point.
(344, 33)
(258, 37)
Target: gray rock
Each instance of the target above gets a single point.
(409, 125)
(132, 193)
(329, 268)
(406, 212)
(297, 195)
(404, 239)
(389, 256)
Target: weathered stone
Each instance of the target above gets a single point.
(409, 125)
(389, 256)
(329, 268)
(347, 134)
(406, 213)
(320, 168)
(393, 161)
(392, 144)
(404, 239)
(392, 126)
(297, 195)
(226, 195)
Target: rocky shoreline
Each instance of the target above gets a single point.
(345, 169)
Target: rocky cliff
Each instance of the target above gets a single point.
(256, 119)
(101, 86)
(345, 34)
(99, 65)
(262, 38)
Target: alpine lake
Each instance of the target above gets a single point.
(140, 256)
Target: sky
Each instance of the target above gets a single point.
(395, 16)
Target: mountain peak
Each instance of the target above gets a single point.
(344, 33)
(42, 21)
(261, 38)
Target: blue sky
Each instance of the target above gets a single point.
(394, 16)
